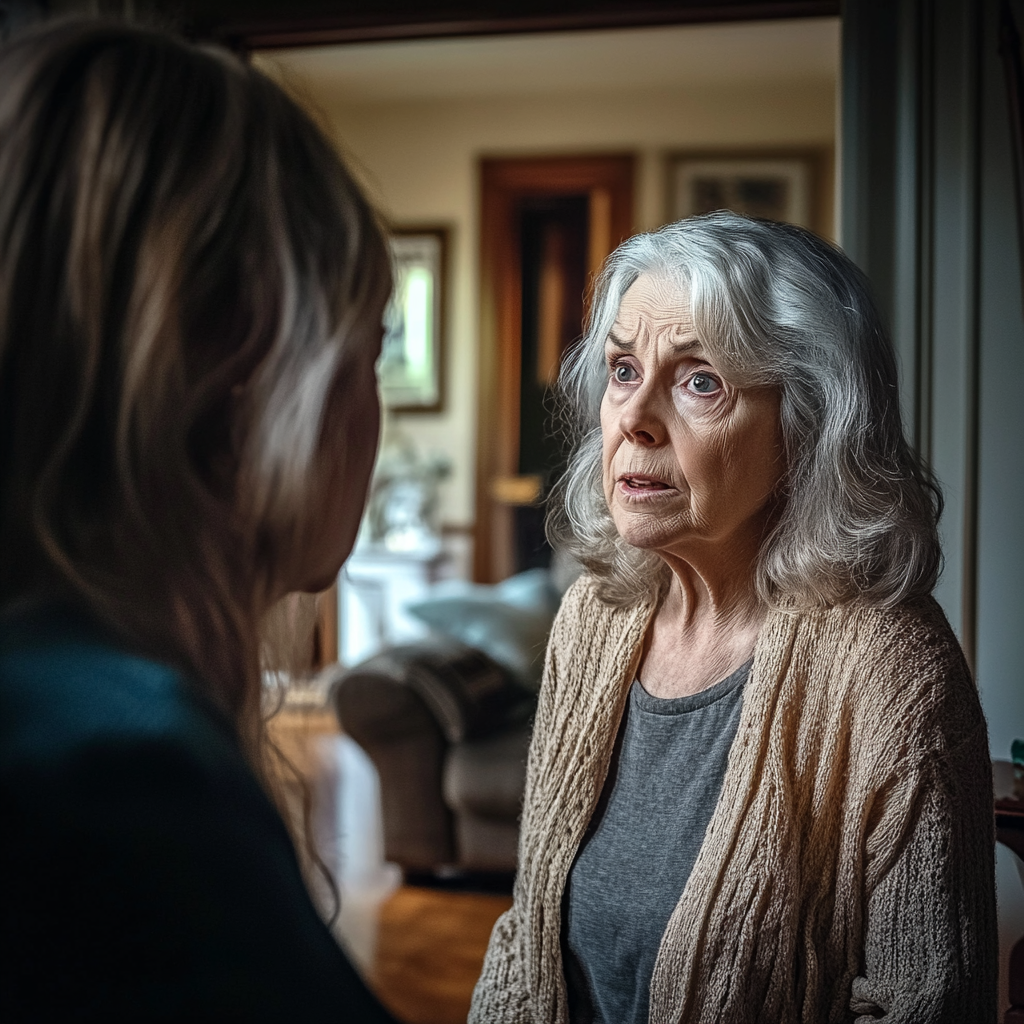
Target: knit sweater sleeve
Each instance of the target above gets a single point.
(501, 995)
(930, 949)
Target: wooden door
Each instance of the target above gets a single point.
(510, 189)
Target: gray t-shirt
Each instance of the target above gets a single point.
(640, 848)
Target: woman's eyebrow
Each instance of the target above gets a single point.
(688, 345)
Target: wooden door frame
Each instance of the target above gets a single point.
(503, 183)
(245, 25)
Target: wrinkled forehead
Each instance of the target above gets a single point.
(654, 304)
(664, 306)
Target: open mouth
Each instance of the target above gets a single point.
(641, 483)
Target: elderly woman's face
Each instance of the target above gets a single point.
(690, 459)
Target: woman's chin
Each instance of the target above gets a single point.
(316, 584)
(649, 536)
(318, 571)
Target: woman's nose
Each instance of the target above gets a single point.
(642, 421)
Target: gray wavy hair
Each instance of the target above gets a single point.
(774, 305)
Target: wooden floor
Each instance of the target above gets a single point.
(430, 946)
(430, 943)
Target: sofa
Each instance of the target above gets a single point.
(446, 721)
(447, 729)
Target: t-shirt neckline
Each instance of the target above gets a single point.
(692, 701)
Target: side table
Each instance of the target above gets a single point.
(374, 587)
(1009, 811)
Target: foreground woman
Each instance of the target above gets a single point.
(191, 290)
(759, 786)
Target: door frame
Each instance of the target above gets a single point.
(245, 26)
(609, 181)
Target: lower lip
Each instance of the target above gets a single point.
(628, 490)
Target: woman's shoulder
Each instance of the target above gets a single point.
(914, 633)
(584, 618)
(107, 745)
(592, 642)
(71, 693)
(133, 819)
(583, 607)
(900, 667)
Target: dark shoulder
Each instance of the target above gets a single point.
(132, 819)
(113, 755)
(67, 688)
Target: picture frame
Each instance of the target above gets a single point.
(411, 366)
(779, 184)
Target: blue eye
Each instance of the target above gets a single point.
(624, 373)
(703, 384)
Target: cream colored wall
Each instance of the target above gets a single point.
(419, 162)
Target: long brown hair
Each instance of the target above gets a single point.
(184, 265)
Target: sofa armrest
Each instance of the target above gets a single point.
(404, 707)
(469, 695)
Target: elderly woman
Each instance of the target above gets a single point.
(191, 291)
(759, 786)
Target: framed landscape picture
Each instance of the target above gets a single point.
(410, 367)
(780, 185)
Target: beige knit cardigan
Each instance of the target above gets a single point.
(847, 872)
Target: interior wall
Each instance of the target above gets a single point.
(1000, 562)
(419, 163)
(929, 212)
(1000, 472)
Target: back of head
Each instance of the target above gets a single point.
(185, 267)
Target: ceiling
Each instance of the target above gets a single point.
(602, 61)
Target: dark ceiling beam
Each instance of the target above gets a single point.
(269, 24)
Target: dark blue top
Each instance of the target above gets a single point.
(642, 844)
(146, 876)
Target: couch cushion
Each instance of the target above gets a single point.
(509, 622)
(467, 694)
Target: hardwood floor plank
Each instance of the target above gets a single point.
(430, 943)
(430, 947)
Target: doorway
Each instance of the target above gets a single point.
(547, 225)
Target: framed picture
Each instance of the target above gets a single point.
(780, 185)
(412, 354)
